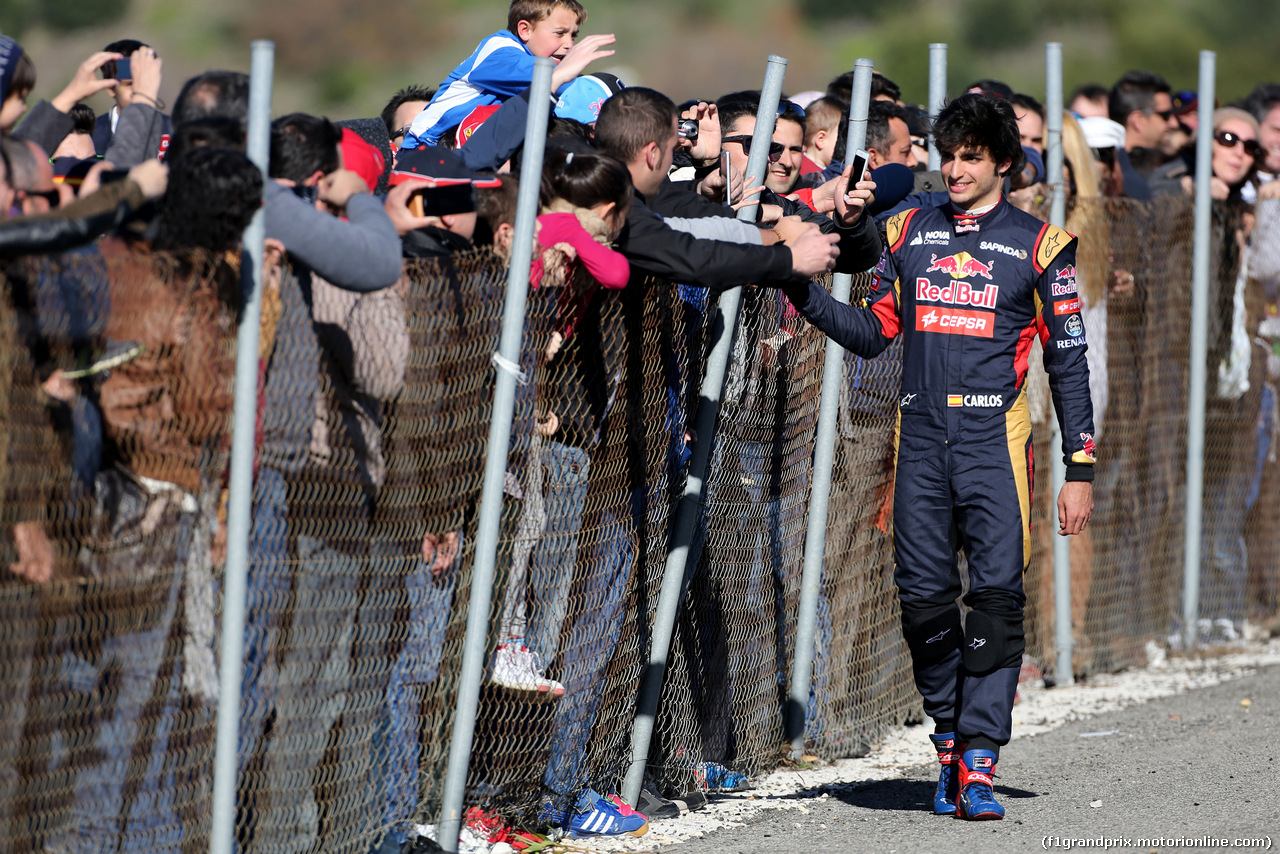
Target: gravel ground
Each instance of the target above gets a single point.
(1083, 763)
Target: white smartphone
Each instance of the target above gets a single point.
(859, 166)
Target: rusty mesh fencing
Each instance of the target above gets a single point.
(374, 417)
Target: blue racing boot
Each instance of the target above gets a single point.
(977, 801)
(944, 797)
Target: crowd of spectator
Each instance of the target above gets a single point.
(120, 234)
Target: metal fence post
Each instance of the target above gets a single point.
(490, 514)
(1199, 351)
(815, 540)
(687, 511)
(1057, 216)
(937, 95)
(234, 585)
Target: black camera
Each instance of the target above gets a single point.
(688, 130)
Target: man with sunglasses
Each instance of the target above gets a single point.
(786, 151)
(31, 176)
(1142, 101)
(402, 109)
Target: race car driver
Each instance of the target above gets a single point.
(969, 285)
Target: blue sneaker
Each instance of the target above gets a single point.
(977, 800)
(714, 777)
(944, 797)
(593, 815)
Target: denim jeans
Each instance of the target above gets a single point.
(396, 745)
(124, 795)
(266, 603)
(556, 554)
(600, 600)
(313, 692)
(1230, 463)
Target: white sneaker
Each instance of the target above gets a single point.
(518, 667)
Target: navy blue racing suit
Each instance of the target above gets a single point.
(968, 294)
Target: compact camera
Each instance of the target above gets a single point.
(688, 130)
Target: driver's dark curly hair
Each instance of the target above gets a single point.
(980, 121)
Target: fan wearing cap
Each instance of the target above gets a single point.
(582, 99)
(17, 79)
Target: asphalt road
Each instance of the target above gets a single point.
(1185, 768)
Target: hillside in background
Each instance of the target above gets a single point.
(343, 58)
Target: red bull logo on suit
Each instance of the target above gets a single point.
(962, 265)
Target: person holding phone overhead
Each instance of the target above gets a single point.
(124, 91)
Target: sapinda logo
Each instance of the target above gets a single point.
(955, 321)
(957, 293)
(992, 246)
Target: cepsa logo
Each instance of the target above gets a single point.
(956, 321)
(957, 293)
(1066, 306)
(981, 401)
(962, 265)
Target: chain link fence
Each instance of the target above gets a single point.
(374, 414)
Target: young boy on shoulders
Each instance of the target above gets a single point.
(501, 66)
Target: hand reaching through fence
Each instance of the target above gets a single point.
(439, 551)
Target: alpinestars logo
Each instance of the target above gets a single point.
(978, 643)
(939, 636)
(906, 400)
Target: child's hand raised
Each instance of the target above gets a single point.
(579, 57)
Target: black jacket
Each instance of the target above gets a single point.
(81, 222)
